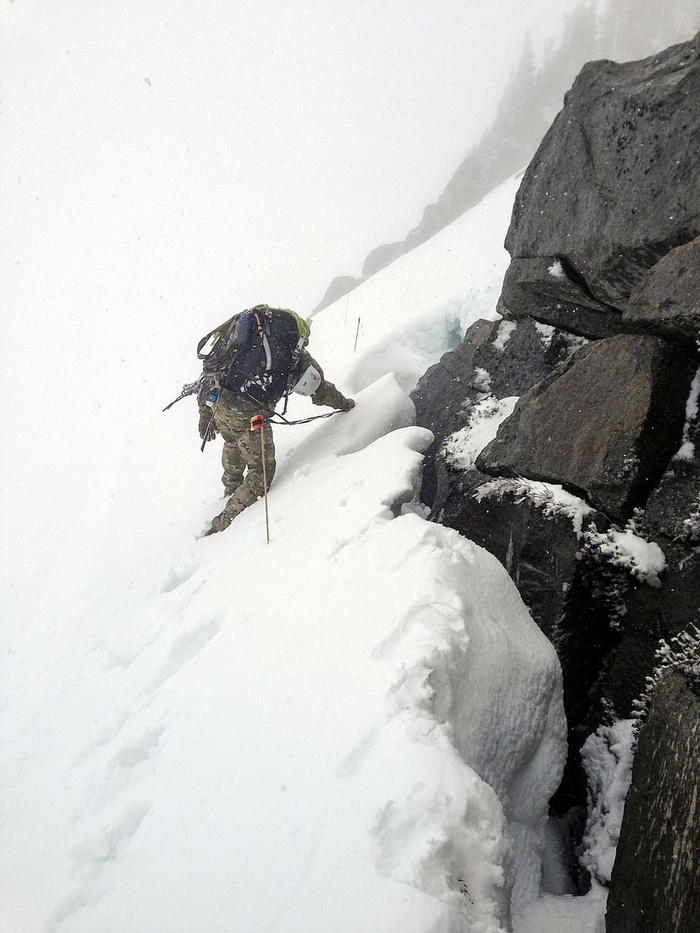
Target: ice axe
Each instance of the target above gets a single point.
(257, 423)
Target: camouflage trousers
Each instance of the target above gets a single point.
(242, 456)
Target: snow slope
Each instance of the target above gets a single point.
(354, 727)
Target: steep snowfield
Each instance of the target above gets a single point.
(354, 727)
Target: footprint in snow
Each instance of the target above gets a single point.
(183, 650)
(145, 747)
(92, 858)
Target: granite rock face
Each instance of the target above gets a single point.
(654, 883)
(651, 614)
(598, 340)
(604, 425)
(540, 552)
(613, 188)
(666, 300)
(545, 289)
(496, 359)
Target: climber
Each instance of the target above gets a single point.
(250, 362)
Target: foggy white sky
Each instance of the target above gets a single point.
(225, 152)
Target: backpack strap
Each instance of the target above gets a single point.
(213, 340)
(263, 326)
(303, 326)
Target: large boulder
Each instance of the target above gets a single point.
(497, 359)
(667, 300)
(654, 884)
(545, 290)
(673, 508)
(614, 186)
(605, 425)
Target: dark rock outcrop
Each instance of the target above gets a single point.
(545, 290)
(614, 186)
(651, 614)
(673, 508)
(654, 882)
(605, 425)
(540, 551)
(498, 359)
(667, 300)
(604, 243)
(380, 257)
(339, 286)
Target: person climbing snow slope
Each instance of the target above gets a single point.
(250, 362)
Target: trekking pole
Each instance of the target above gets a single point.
(257, 423)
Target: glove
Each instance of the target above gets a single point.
(207, 428)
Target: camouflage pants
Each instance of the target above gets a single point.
(242, 457)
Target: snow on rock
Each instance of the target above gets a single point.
(625, 548)
(556, 270)
(552, 498)
(546, 332)
(607, 758)
(462, 447)
(505, 332)
(692, 408)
